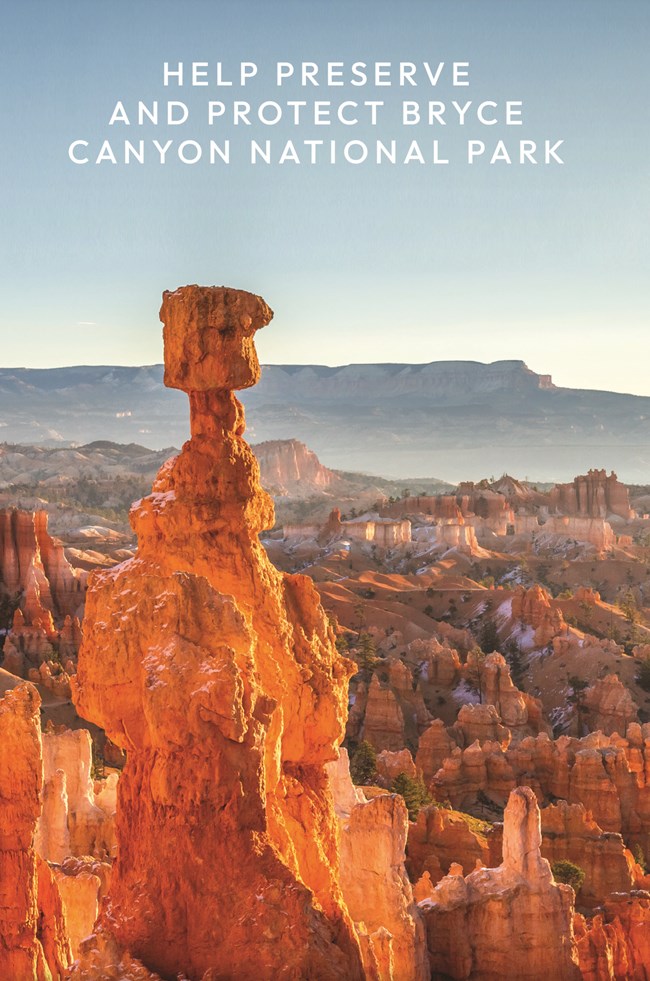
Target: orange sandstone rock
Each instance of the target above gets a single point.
(73, 822)
(435, 746)
(519, 712)
(390, 765)
(615, 944)
(438, 838)
(33, 563)
(375, 885)
(33, 941)
(570, 832)
(533, 608)
(594, 494)
(513, 922)
(288, 467)
(383, 724)
(219, 677)
(610, 706)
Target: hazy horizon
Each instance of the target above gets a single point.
(348, 364)
(361, 265)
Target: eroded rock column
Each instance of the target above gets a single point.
(33, 941)
(219, 677)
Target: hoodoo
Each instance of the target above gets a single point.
(219, 677)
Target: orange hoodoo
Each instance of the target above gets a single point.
(219, 677)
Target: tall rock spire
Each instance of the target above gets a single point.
(219, 677)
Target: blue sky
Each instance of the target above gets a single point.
(417, 263)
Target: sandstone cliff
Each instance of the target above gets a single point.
(289, 468)
(595, 495)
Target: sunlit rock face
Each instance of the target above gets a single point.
(34, 564)
(615, 944)
(219, 677)
(33, 942)
(610, 706)
(73, 821)
(289, 468)
(46, 594)
(373, 877)
(511, 922)
(594, 494)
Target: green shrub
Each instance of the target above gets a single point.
(639, 856)
(569, 873)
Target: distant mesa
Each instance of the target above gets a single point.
(448, 418)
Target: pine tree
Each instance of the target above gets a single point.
(363, 765)
(414, 792)
(367, 656)
(643, 674)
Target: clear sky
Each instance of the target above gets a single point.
(406, 263)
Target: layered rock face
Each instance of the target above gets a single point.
(513, 922)
(375, 885)
(219, 677)
(392, 716)
(615, 944)
(288, 467)
(593, 495)
(569, 832)
(458, 535)
(381, 531)
(518, 711)
(33, 941)
(533, 608)
(47, 592)
(441, 837)
(607, 774)
(596, 531)
(33, 564)
(610, 706)
(384, 721)
(73, 822)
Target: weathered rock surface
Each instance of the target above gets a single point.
(518, 711)
(34, 565)
(440, 837)
(81, 883)
(595, 531)
(381, 531)
(607, 774)
(33, 942)
(610, 706)
(383, 724)
(615, 944)
(289, 468)
(570, 833)
(46, 594)
(532, 607)
(390, 765)
(73, 822)
(219, 678)
(513, 922)
(594, 494)
(435, 747)
(375, 885)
